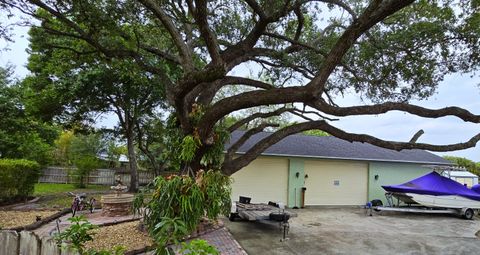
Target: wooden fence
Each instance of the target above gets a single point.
(28, 243)
(99, 176)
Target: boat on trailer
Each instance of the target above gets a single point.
(434, 193)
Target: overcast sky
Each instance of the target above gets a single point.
(455, 90)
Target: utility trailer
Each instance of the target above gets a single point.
(268, 213)
(256, 212)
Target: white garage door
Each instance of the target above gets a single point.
(264, 179)
(336, 183)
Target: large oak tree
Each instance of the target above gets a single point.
(70, 83)
(389, 52)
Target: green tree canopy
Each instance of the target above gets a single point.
(387, 52)
(84, 152)
(72, 83)
(468, 164)
(21, 135)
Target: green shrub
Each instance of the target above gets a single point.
(17, 178)
(179, 203)
(80, 232)
(198, 247)
(85, 165)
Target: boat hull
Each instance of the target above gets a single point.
(448, 201)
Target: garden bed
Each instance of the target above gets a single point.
(27, 220)
(122, 234)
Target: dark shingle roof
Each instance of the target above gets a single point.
(330, 147)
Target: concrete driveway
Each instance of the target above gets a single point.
(350, 231)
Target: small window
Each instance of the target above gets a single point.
(336, 183)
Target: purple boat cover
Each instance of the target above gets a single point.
(434, 184)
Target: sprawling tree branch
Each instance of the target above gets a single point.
(241, 141)
(325, 59)
(258, 115)
(209, 37)
(374, 13)
(232, 165)
(251, 99)
(324, 126)
(393, 106)
(185, 52)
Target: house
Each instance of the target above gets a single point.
(462, 176)
(121, 162)
(333, 171)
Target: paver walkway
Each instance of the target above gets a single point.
(224, 241)
(220, 238)
(95, 218)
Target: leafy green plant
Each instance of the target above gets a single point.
(168, 231)
(189, 146)
(77, 234)
(17, 178)
(198, 247)
(175, 197)
(80, 232)
(138, 203)
(214, 155)
(180, 202)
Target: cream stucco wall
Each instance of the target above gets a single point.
(264, 179)
(336, 182)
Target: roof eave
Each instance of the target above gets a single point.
(354, 159)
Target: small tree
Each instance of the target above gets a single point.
(84, 151)
(85, 165)
(63, 146)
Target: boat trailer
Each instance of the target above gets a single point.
(466, 213)
(271, 212)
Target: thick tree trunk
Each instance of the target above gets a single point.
(132, 162)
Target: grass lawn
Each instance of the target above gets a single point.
(54, 195)
(42, 189)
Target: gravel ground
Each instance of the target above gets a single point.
(11, 219)
(123, 234)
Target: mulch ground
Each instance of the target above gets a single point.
(123, 234)
(12, 219)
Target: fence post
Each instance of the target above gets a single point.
(29, 243)
(49, 246)
(9, 242)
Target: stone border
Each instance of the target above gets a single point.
(139, 251)
(41, 222)
(17, 203)
(106, 224)
(205, 231)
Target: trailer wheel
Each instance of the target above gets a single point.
(468, 214)
(232, 216)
